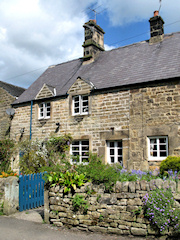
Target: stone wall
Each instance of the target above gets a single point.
(107, 212)
(2, 187)
(9, 195)
(5, 103)
(154, 111)
(130, 115)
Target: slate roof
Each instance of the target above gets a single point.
(123, 66)
(14, 91)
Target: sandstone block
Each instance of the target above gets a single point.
(132, 187)
(125, 186)
(138, 231)
(118, 187)
(97, 229)
(58, 224)
(143, 185)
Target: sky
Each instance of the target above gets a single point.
(35, 34)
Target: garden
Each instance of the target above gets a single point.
(52, 157)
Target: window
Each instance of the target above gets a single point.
(115, 152)
(157, 148)
(80, 152)
(44, 110)
(80, 105)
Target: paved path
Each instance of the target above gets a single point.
(12, 228)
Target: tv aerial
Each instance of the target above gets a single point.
(96, 12)
(160, 4)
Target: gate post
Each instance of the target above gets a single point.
(11, 198)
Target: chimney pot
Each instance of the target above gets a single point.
(92, 20)
(156, 13)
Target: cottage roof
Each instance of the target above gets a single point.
(15, 91)
(133, 64)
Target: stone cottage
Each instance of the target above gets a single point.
(123, 104)
(8, 94)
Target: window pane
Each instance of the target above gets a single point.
(119, 144)
(75, 143)
(119, 151)
(111, 151)
(153, 147)
(84, 98)
(120, 160)
(153, 140)
(111, 144)
(76, 110)
(76, 104)
(162, 147)
(112, 159)
(85, 109)
(76, 99)
(162, 140)
(85, 143)
(85, 149)
(163, 154)
(154, 154)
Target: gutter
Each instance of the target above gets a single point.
(30, 136)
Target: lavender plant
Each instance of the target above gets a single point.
(160, 211)
(134, 175)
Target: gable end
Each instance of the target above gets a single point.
(46, 92)
(81, 86)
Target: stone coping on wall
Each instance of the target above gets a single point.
(107, 212)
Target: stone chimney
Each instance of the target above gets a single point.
(156, 28)
(93, 42)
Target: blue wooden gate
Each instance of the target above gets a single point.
(31, 191)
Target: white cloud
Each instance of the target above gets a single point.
(36, 33)
(122, 12)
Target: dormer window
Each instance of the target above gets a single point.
(80, 105)
(44, 110)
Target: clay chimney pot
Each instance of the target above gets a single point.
(156, 13)
(93, 20)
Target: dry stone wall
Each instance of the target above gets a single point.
(2, 187)
(107, 212)
(5, 103)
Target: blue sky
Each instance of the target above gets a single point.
(35, 34)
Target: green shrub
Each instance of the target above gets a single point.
(99, 173)
(70, 180)
(6, 150)
(170, 163)
(33, 156)
(79, 204)
(38, 156)
(159, 209)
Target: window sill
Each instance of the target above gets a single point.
(156, 159)
(41, 119)
(80, 114)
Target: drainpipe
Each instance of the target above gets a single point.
(30, 136)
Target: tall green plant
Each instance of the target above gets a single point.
(170, 163)
(99, 173)
(69, 179)
(39, 155)
(6, 150)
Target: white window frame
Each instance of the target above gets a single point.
(83, 110)
(158, 150)
(115, 153)
(81, 152)
(44, 110)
